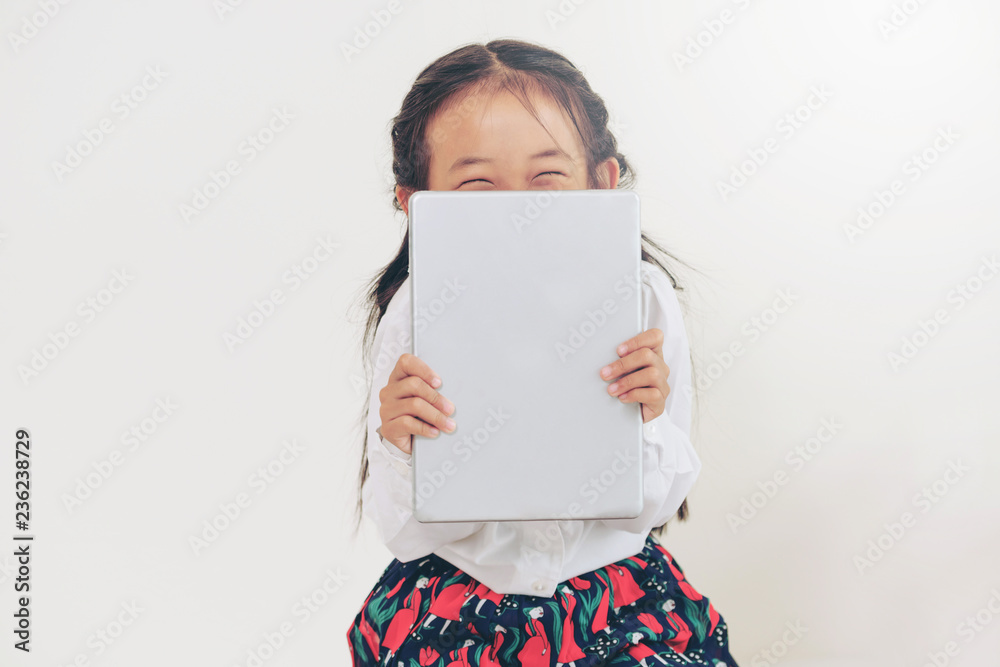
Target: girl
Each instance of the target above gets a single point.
(509, 115)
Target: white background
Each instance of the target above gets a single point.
(327, 174)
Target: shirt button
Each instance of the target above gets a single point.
(539, 586)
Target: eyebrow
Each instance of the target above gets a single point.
(471, 160)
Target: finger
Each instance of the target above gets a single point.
(414, 385)
(651, 338)
(641, 358)
(649, 396)
(412, 377)
(410, 364)
(412, 396)
(644, 377)
(408, 424)
(420, 408)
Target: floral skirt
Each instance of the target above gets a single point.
(637, 611)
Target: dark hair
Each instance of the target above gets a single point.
(503, 64)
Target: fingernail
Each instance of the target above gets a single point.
(434, 431)
(450, 423)
(613, 388)
(622, 348)
(449, 407)
(606, 371)
(436, 382)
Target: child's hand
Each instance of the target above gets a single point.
(410, 405)
(644, 373)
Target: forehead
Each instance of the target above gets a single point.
(495, 123)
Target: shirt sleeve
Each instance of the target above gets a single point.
(670, 464)
(387, 493)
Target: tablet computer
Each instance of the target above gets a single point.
(518, 299)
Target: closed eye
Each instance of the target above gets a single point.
(483, 180)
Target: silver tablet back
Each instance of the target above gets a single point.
(518, 299)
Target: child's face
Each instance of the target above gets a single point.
(484, 142)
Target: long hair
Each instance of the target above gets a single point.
(504, 64)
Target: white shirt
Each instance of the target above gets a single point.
(532, 557)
